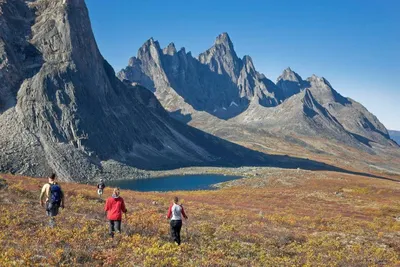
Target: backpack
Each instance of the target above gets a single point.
(55, 194)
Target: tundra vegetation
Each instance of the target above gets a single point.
(312, 219)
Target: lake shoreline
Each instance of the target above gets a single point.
(246, 174)
(170, 183)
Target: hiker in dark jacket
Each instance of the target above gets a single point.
(54, 198)
(114, 208)
(100, 187)
(175, 213)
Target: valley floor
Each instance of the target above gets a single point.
(276, 218)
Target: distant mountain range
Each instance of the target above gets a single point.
(224, 86)
(395, 135)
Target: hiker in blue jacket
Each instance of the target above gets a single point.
(54, 196)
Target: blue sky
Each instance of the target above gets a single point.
(355, 44)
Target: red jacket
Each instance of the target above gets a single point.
(114, 208)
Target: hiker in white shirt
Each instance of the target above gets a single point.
(175, 213)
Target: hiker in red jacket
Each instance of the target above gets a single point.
(175, 213)
(114, 208)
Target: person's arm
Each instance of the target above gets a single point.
(62, 204)
(169, 212)
(43, 193)
(106, 207)
(183, 213)
(123, 208)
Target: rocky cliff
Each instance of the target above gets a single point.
(62, 108)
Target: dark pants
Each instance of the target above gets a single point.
(176, 226)
(52, 211)
(115, 226)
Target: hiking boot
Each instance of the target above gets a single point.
(52, 223)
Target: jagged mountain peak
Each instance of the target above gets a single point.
(317, 83)
(320, 80)
(248, 63)
(170, 49)
(132, 61)
(223, 39)
(316, 78)
(222, 58)
(290, 82)
(288, 71)
(151, 42)
(289, 75)
(247, 59)
(183, 51)
(323, 91)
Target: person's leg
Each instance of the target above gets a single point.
(178, 232)
(52, 222)
(172, 229)
(118, 226)
(52, 211)
(111, 231)
(48, 208)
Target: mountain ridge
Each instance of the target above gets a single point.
(240, 85)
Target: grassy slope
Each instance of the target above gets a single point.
(294, 219)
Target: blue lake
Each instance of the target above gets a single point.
(173, 183)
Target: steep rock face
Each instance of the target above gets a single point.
(222, 58)
(255, 86)
(63, 109)
(17, 57)
(355, 118)
(218, 82)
